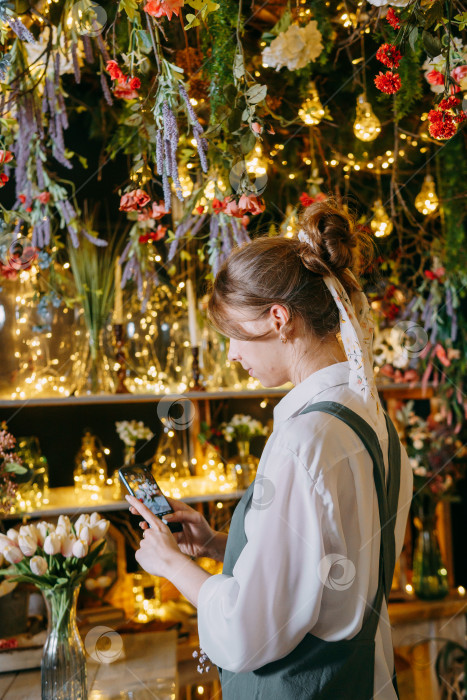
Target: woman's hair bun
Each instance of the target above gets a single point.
(333, 240)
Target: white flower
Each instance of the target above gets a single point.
(80, 549)
(5, 542)
(294, 48)
(420, 471)
(99, 529)
(28, 531)
(64, 522)
(27, 544)
(67, 546)
(84, 518)
(12, 554)
(418, 444)
(38, 566)
(52, 543)
(42, 529)
(12, 534)
(395, 3)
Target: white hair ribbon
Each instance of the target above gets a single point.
(356, 327)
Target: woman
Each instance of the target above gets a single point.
(300, 609)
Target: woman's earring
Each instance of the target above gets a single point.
(283, 339)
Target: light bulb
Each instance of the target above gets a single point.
(381, 224)
(426, 200)
(312, 111)
(256, 164)
(367, 126)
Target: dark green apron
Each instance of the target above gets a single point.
(317, 669)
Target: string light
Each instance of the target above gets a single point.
(312, 111)
(426, 201)
(367, 126)
(380, 224)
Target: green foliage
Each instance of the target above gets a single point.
(452, 169)
(221, 40)
(411, 77)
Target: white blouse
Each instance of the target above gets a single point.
(312, 556)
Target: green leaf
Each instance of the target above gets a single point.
(130, 7)
(230, 92)
(431, 44)
(257, 93)
(247, 141)
(193, 21)
(15, 468)
(144, 39)
(238, 67)
(235, 120)
(283, 24)
(433, 14)
(413, 36)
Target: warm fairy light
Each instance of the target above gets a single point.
(461, 590)
(256, 164)
(381, 224)
(426, 201)
(367, 126)
(409, 588)
(311, 111)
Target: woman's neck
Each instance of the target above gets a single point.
(322, 354)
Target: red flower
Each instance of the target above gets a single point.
(434, 77)
(144, 238)
(435, 274)
(159, 8)
(43, 197)
(388, 82)
(200, 209)
(112, 67)
(3, 179)
(460, 117)
(306, 200)
(246, 204)
(449, 103)
(217, 205)
(158, 233)
(131, 201)
(158, 210)
(392, 19)
(22, 198)
(5, 156)
(443, 129)
(135, 83)
(125, 92)
(435, 115)
(389, 55)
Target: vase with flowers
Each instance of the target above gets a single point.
(56, 559)
(438, 459)
(242, 428)
(10, 465)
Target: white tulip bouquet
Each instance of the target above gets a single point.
(53, 556)
(242, 427)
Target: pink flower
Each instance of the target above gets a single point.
(251, 204)
(52, 544)
(131, 201)
(245, 220)
(459, 74)
(434, 77)
(158, 210)
(43, 197)
(256, 127)
(159, 8)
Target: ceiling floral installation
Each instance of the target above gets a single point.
(216, 122)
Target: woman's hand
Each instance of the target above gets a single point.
(197, 537)
(158, 553)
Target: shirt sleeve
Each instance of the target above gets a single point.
(273, 598)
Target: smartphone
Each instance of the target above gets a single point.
(139, 481)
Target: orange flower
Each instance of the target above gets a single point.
(43, 197)
(159, 8)
(125, 92)
(112, 67)
(158, 210)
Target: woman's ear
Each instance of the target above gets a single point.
(279, 316)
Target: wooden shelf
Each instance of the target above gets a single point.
(417, 610)
(388, 390)
(140, 398)
(62, 501)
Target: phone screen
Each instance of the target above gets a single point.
(143, 485)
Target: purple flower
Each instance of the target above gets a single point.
(20, 30)
(159, 152)
(105, 89)
(74, 55)
(87, 48)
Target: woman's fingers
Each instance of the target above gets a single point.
(178, 505)
(183, 516)
(143, 525)
(143, 510)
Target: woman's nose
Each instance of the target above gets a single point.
(233, 355)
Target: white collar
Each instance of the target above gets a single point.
(298, 397)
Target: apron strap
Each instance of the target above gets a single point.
(387, 495)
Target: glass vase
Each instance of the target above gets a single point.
(243, 465)
(430, 577)
(97, 375)
(33, 486)
(63, 667)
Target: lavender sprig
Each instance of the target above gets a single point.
(20, 30)
(159, 152)
(74, 55)
(87, 48)
(105, 89)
